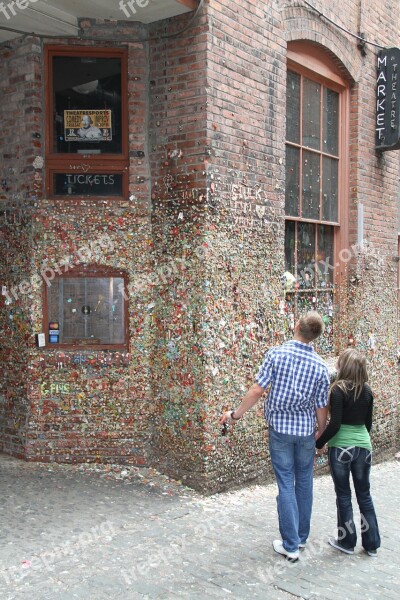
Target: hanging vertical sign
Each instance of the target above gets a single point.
(387, 100)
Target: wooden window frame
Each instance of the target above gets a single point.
(309, 61)
(93, 164)
(313, 62)
(86, 271)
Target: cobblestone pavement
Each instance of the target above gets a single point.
(94, 533)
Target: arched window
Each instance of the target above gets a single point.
(316, 175)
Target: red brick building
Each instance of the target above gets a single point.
(179, 180)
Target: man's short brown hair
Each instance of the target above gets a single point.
(311, 325)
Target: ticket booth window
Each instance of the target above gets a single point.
(87, 308)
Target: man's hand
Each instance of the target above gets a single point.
(250, 399)
(227, 418)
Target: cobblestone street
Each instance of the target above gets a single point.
(79, 532)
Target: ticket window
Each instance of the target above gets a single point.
(87, 309)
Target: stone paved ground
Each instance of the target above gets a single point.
(94, 533)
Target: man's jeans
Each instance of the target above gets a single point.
(356, 461)
(292, 458)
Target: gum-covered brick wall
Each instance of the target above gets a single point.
(178, 154)
(222, 314)
(217, 200)
(94, 405)
(246, 190)
(201, 240)
(246, 308)
(81, 405)
(15, 326)
(20, 188)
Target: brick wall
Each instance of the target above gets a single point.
(179, 156)
(246, 81)
(20, 115)
(90, 406)
(246, 120)
(202, 240)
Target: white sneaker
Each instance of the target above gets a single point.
(278, 547)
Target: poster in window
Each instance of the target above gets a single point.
(87, 125)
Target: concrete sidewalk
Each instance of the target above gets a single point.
(94, 533)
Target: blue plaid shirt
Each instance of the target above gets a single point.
(299, 384)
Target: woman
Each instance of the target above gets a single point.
(350, 451)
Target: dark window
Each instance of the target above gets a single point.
(311, 197)
(309, 255)
(87, 122)
(292, 193)
(312, 166)
(311, 114)
(293, 107)
(87, 105)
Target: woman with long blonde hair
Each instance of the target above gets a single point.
(350, 452)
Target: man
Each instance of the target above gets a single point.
(298, 380)
(88, 130)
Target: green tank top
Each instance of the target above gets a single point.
(351, 435)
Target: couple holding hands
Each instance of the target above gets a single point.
(299, 396)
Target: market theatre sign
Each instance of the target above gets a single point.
(387, 100)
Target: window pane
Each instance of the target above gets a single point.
(306, 255)
(329, 189)
(292, 189)
(87, 105)
(311, 185)
(290, 241)
(325, 256)
(325, 308)
(88, 310)
(293, 107)
(311, 114)
(330, 127)
(306, 301)
(314, 287)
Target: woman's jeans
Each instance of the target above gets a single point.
(356, 461)
(292, 458)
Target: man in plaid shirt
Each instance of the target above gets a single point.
(298, 380)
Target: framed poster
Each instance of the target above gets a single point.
(87, 125)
